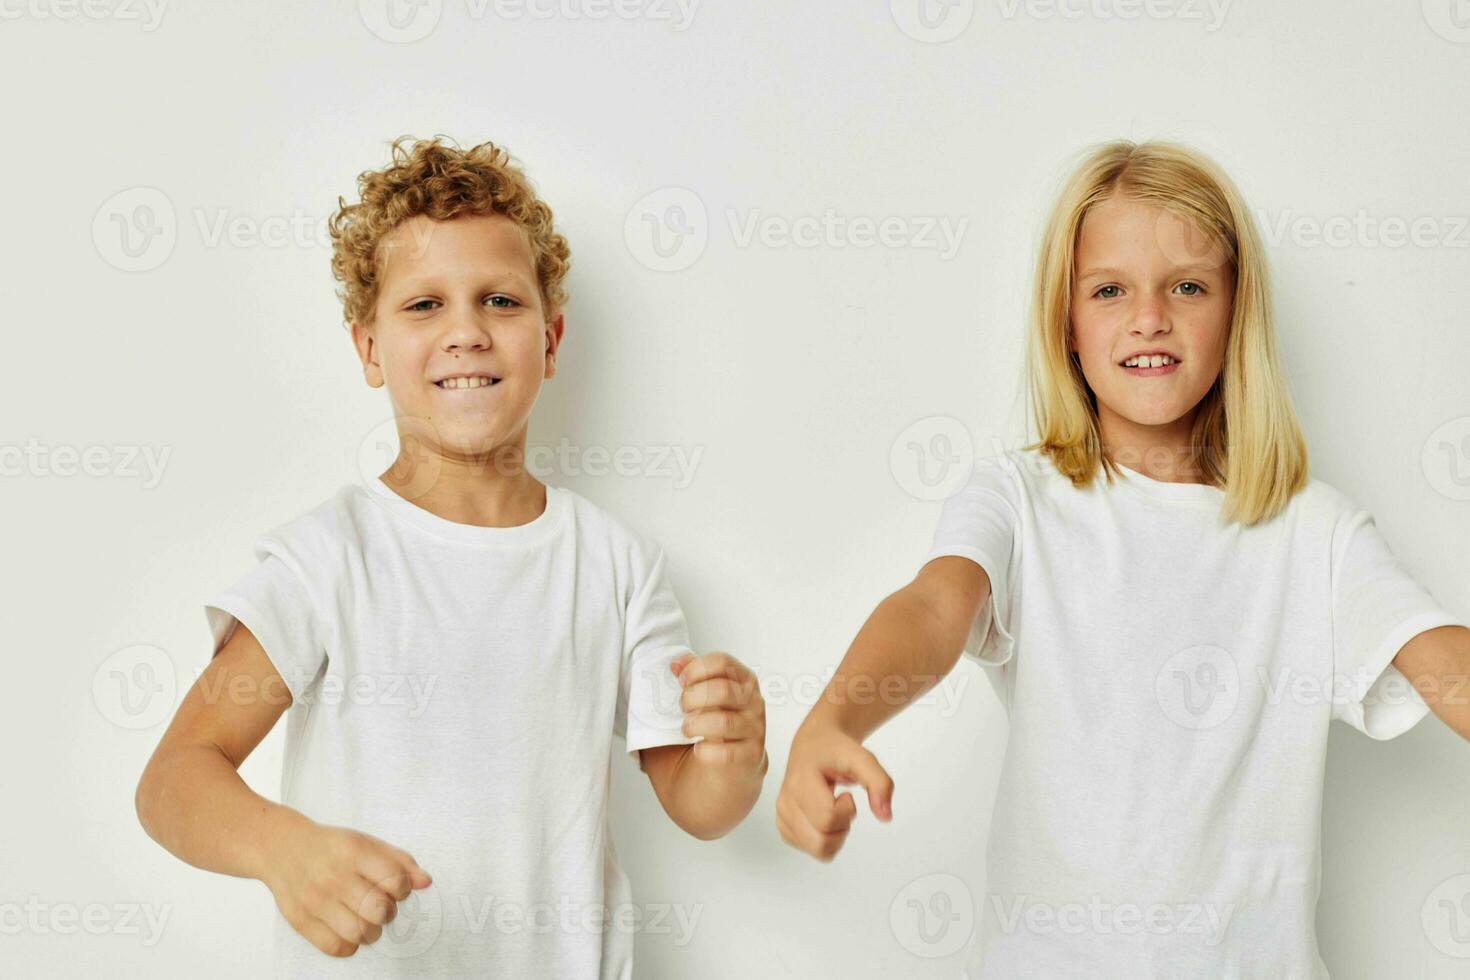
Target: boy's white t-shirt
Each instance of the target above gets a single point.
(1169, 684)
(457, 690)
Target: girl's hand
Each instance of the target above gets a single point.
(809, 816)
(722, 701)
(338, 887)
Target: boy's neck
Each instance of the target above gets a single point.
(482, 494)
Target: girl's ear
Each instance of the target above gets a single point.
(367, 352)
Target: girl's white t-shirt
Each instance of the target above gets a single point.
(1169, 684)
(456, 692)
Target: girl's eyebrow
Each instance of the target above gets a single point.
(1198, 269)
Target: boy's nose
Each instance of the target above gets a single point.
(466, 333)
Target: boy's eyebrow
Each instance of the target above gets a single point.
(430, 282)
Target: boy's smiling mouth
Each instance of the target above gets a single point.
(465, 382)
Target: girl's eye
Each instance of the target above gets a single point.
(1199, 289)
(501, 301)
(1100, 292)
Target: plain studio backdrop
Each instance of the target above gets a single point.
(802, 240)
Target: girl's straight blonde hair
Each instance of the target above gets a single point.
(1246, 438)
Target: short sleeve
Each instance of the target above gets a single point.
(655, 635)
(981, 521)
(273, 602)
(1377, 607)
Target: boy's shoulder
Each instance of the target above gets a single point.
(326, 526)
(599, 528)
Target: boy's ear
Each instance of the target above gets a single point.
(553, 341)
(367, 352)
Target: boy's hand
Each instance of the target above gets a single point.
(338, 887)
(808, 815)
(722, 701)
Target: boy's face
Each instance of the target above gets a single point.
(457, 298)
(1146, 279)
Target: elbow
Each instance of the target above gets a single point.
(146, 797)
(140, 803)
(707, 831)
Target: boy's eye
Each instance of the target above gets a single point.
(501, 300)
(419, 306)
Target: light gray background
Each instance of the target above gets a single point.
(797, 372)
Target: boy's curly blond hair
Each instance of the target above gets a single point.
(440, 181)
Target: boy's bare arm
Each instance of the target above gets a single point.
(191, 798)
(707, 788)
(911, 641)
(337, 887)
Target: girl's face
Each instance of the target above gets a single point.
(1147, 280)
(460, 297)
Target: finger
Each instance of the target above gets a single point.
(742, 752)
(368, 932)
(395, 876)
(862, 767)
(421, 878)
(321, 935)
(721, 692)
(711, 665)
(371, 903)
(721, 724)
(815, 801)
(678, 664)
(820, 844)
(344, 922)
